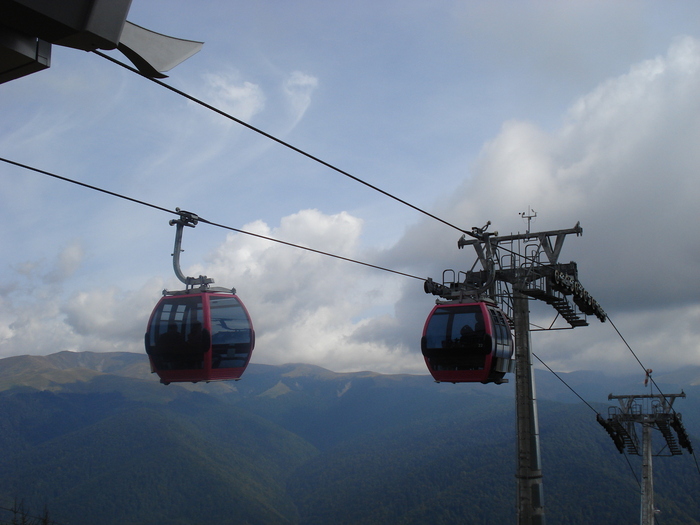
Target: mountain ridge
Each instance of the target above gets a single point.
(135, 365)
(96, 438)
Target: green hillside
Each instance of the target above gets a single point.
(96, 439)
(101, 458)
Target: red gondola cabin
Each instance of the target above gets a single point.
(467, 342)
(200, 336)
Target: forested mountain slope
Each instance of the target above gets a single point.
(97, 439)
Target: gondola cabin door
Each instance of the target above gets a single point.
(205, 336)
(467, 342)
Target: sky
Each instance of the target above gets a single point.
(583, 111)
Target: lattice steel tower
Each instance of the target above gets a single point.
(652, 412)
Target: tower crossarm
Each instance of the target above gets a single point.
(661, 416)
(544, 238)
(664, 403)
(528, 262)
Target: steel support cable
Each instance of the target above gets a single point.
(173, 212)
(327, 254)
(290, 146)
(628, 346)
(638, 361)
(280, 141)
(566, 384)
(634, 474)
(293, 148)
(697, 465)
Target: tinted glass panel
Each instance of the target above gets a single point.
(501, 334)
(451, 325)
(456, 338)
(175, 334)
(230, 333)
(437, 329)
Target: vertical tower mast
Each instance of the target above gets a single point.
(647, 500)
(529, 474)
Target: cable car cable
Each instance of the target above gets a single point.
(639, 361)
(629, 464)
(84, 185)
(280, 141)
(565, 384)
(628, 346)
(293, 148)
(634, 473)
(173, 212)
(327, 254)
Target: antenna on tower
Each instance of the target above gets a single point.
(529, 215)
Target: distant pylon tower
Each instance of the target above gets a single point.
(652, 412)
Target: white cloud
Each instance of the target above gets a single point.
(307, 307)
(298, 88)
(40, 320)
(111, 315)
(569, 41)
(67, 263)
(227, 92)
(662, 338)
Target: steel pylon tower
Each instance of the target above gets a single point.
(530, 497)
(652, 412)
(514, 270)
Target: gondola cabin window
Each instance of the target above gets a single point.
(172, 339)
(502, 337)
(456, 338)
(231, 336)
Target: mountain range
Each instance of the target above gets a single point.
(95, 439)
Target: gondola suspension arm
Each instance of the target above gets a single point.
(190, 220)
